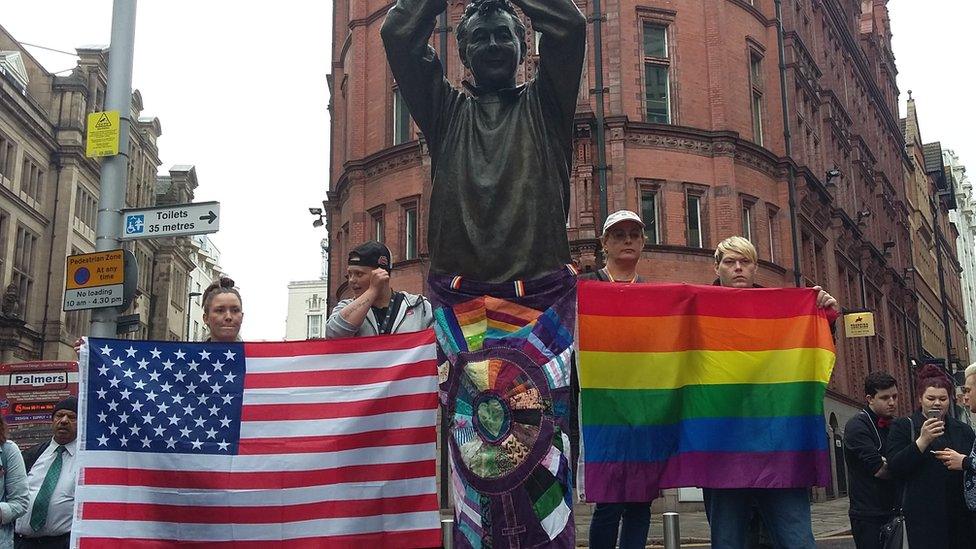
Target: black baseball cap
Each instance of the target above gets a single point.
(371, 254)
(68, 403)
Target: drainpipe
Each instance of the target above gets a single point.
(939, 239)
(50, 255)
(788, 144)
(600, 170)
(54, 225)
(864, 306)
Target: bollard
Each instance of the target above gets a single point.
(672, 534)
(447, 533)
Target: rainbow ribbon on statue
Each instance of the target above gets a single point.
(701, 386)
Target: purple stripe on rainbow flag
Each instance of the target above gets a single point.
(635, 481)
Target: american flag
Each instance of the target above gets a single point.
(290, 444)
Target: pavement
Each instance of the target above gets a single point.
(831, 526)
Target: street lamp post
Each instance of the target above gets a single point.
(189, 300)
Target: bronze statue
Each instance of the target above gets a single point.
(501, 153)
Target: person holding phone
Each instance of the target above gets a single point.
(933, 504)
(957, 461)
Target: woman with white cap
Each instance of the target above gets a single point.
(623, 242)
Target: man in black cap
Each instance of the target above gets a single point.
(51, 483)
(376, 308)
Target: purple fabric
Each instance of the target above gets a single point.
(508, 516)
(705, 470)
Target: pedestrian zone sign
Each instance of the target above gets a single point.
(102, 138)
(94, 281)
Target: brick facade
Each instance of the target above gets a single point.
(721, 61)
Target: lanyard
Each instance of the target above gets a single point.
(612, 279)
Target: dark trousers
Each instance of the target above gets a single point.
(867, 530)
(44, 542)
(606, 521)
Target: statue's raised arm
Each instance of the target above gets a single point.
(416, 68)
(562, 48)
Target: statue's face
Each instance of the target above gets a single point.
(493, 50)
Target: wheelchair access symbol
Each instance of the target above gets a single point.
(135, 224)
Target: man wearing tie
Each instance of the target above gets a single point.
(51, 484)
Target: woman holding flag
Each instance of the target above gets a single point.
(223, 311)
(623, 241)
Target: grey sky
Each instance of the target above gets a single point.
(241, 93)
(933, 45)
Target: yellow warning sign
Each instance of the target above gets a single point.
(102, 138)
(859, 324)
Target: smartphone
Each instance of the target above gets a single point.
(933, 413)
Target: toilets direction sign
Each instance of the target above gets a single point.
(175, 220)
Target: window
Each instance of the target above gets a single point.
(7, 153)
(401, 119)
(756, 82)
(86, 207)
(23, 267)
(314, 326)
(31, 179)
(650, 214)
(178, 293)
(379, 226)
(771, 229)
(693, 212)
(657, 67)
(747, 220)
(196, 331)
(145, 270)
(410, 233)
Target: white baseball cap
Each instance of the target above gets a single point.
(619, 216)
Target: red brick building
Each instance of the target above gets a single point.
(695, 142)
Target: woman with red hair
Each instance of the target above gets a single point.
(935, 509)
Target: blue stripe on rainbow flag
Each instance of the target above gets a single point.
(646, 443)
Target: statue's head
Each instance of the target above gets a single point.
(491, 42)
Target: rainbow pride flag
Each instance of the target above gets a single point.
(701, 386)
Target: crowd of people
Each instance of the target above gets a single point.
(922, 467)
(376, 309)
(919, 467)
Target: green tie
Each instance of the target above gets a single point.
(43, 499)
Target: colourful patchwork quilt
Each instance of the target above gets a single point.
(506, 398)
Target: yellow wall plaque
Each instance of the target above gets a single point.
(859, 324)
(102, 138)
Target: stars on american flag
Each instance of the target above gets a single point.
(165, 397)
